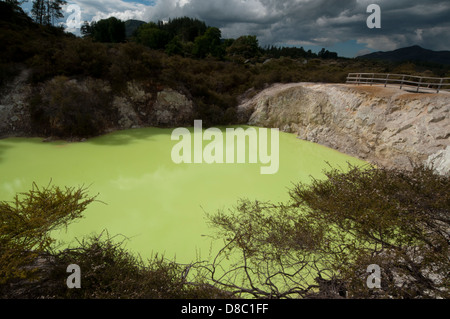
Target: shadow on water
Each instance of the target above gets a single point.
(125, 137)
(116, 138)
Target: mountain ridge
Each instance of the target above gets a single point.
(131, 26)
(413, 53)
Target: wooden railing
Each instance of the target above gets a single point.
(403, 80)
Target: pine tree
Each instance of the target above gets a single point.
(47, 11)
(55, 9)
(38, 11)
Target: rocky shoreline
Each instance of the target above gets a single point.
(386, 126)
(134, 108)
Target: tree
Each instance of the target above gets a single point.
(187, 29)
(152, 36)
(209, 43)
(174, 47)
(54, 10)
(86, 29)
(111, 30)
(38, 11)
(325, 54)
(26, 224)
(45, 12)
(278, 52)
(326, 236)
(245, 46)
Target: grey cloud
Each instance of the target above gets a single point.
(320, 22)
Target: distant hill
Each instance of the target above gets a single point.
(414, 53)
(131, 26)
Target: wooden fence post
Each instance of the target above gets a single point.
(440, 85)
(403, 79)
(418, 86)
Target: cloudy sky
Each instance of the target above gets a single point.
(338, 25)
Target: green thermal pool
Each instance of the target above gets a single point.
(142, 194)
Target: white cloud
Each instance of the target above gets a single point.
(122, 15)
(102, 9)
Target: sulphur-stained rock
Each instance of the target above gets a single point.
(137, 94)
(14, 120)
(172, 108)
(440, 161)
(138, 108)
(127, 115)
(133, 105)
(387, 126)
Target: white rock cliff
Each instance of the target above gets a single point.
(386, 126)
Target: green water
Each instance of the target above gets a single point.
(159, 205)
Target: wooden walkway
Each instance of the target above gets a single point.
(417, 83)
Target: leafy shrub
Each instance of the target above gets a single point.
(110, 272)
(133, 62)
(333, 229)
(32, 268)
(7, 72)
(26, 223)
(66, 108)
(81, 57)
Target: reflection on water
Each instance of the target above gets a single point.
(160, 206)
